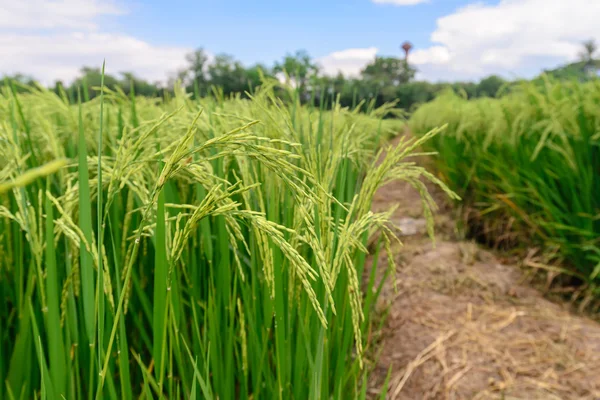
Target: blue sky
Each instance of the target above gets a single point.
(453, 39)
(262, 31)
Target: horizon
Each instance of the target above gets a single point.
(454, 40)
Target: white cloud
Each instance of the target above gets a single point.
(432, 55)
(349, 62)
(53, 39)
(400, 2)
(60, 56)
(50, 14)
(508, 38)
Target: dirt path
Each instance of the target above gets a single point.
(462, 325)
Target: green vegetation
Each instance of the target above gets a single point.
(580, 70)
(191, 248)
(385, 80)
(588, 67)
(527, 166)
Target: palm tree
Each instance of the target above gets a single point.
(406, 46)
(408, 72)
(589, 49)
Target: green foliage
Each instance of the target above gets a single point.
(528, 165)
(385, 80)
(196, 70)
(489, 87)
(589, 50)
(588, 67)
(388, 71)
(223, 74)
(580, 70)
(230, 75)
(299, 67)
(408, 96)
(20, 82)
(192, 248)
(90, 81)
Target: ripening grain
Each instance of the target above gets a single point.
(528, 164)
(223, 260)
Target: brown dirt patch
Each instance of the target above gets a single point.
(463, 325)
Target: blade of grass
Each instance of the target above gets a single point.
(55, 339)
(160, 288)
(85, 224)
(100, 233)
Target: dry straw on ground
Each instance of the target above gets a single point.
(462, 325)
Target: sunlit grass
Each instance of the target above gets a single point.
(529, 164)
(189, 249)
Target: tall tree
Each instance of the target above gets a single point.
(589, 50)
(388, 71)
(255, 74)
(91, 78)
(407, 73)
(21, 81)
(141, 87)
(227, 73)
(489, 87)
(299, 67)
(194, 75)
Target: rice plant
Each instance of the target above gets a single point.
(529, 165)
(179, 248)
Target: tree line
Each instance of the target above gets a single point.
(385, 79)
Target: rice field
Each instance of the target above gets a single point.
(527, 166)
(178, 248)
